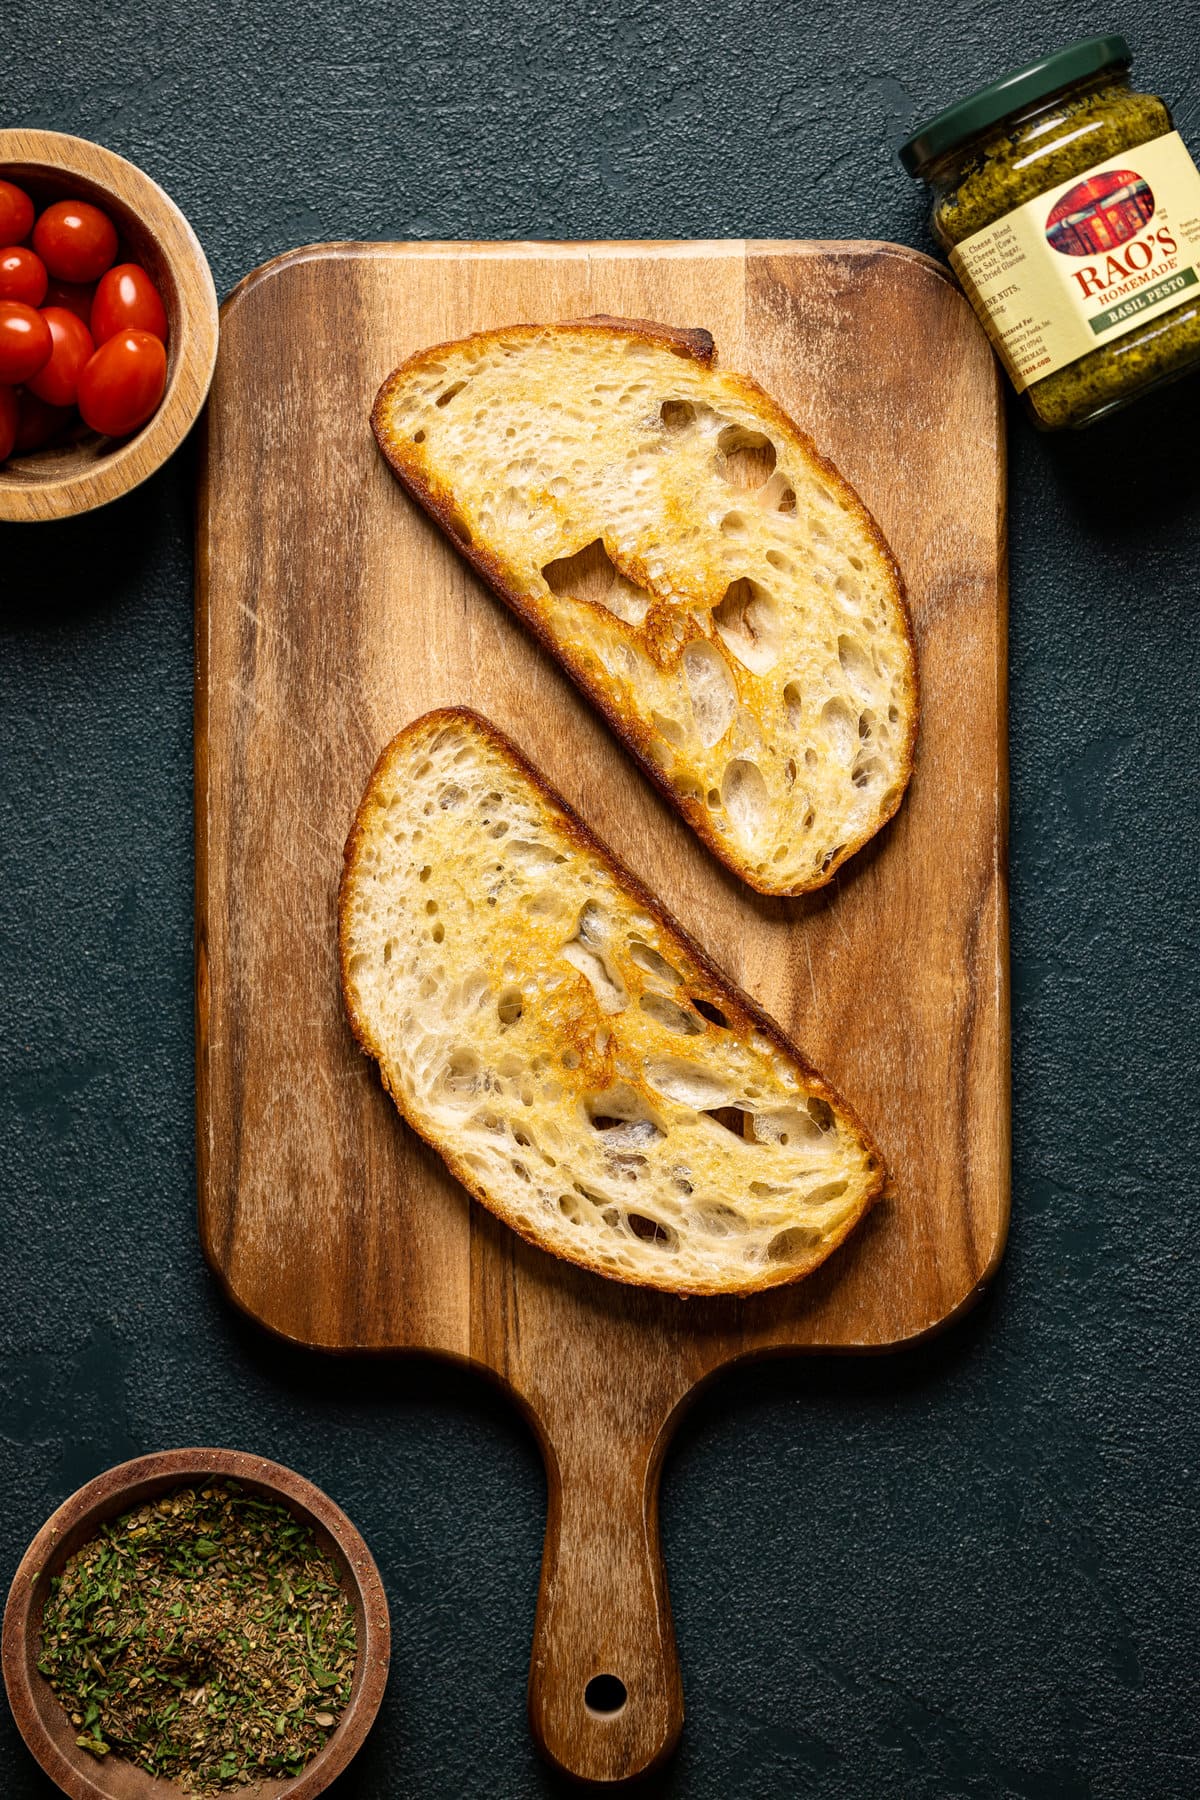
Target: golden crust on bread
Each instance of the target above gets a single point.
(579, 1063)
(708, 578)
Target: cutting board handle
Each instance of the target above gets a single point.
(605, 1695)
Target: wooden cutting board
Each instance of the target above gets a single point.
(330, 612)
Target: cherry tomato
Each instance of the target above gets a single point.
(25, 341)
(75, 297)
(123, 383)
(22, 276)
(127, 300)
(16, 213)
(58, 382)
(9, 408)
(76, 241)
(37, 423)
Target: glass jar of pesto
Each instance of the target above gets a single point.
(1070, 208)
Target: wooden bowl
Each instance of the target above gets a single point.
(89, 470)
(40, 1717)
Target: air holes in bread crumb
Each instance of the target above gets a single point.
(671, 1017)
(687, 1083)
(821, 1113)
(717, 1220)
(591, 575)
(651, 1231)
(856, 664)
(668, 728)
(461, 1078)
(785, 1246)
(710, 690)
(418, 437)
(586, 952)
(652, 962)
(841, 724)
(744, 797)
(447, 395)
(734, 524)
(793, 699)
(821, 1196)
(621, 1118)
(747, 622)
(510, 1005)
(786, 503)
(677, 415)
(790, 1126)
(712, 1013)
(735, 1120)
(745, 458)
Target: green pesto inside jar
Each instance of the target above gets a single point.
(1027, 153)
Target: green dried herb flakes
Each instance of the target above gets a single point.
(205, 1637)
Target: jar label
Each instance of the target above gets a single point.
(1087, 261)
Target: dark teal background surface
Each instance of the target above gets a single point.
(964, 1572)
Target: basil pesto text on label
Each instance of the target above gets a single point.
(1088, 260)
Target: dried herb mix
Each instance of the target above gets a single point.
(205, 1637)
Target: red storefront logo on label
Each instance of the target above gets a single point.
(1100, 213)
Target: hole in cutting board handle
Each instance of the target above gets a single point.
(605, 1694)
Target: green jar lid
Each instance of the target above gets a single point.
(974, 114)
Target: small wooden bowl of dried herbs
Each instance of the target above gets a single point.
(199, 1622)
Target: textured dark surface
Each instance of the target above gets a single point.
(965, 1571)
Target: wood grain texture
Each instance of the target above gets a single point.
(41, 1719)
(88, 470)
(330, 612)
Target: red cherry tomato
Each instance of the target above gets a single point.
(123, 383)
(37, 423)
(16, 213)
(22, 276)
(127, 300)
(75, 297)
(58, 382)
(25, 341)
(76, 241)
(9, 409)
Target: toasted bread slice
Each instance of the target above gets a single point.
(707, 578)
(577, 1061)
